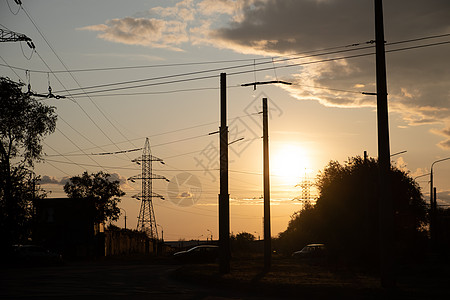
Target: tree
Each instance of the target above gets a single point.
(99, 188)
(345, 216)
(24, 122)
(242, 243)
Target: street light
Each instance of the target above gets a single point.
(401, 152)
(431, 179)
(433, 204)
(125, 217)
(210, 235)
(426, 174)
(162, 232)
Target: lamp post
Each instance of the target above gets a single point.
(426, 174)
(210, 235)
(125, 218)
(433, 205)
(162, 232)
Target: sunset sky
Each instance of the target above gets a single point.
(137, 69)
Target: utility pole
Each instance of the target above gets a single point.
(224, 197)
(386, 213)
(267, 233)
(147, 219)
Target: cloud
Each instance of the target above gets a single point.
(214, 7)
(117, 177)
(418, 79)
(169, 27)
(401, 164)
(141, 31)
(53, 180)
(445, 133)
(49, 180)
(443, 198)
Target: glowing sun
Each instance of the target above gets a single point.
(289, 164)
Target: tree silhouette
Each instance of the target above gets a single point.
(345, 216)
(24, 122)
(101, 190)
(242, 243)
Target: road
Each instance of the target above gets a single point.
(106, 280)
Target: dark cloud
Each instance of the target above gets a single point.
(443, 198)
(53, 180)
(418, 80)
(49, 180)
(299, 25)
(445, 145)
(117, 177)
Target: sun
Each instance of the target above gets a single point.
(289, 163)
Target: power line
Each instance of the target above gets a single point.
(167, 132)
(227, 61)
(156, 92)
(213, 70)
(242, 72)
(192, 63)
(250, 71)
(73, 77)
(12, 69)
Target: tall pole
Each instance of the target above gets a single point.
(267, 234)
(224, 197)
(386, 213)
(432, 228)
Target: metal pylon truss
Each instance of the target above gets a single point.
(306, 186)
(147, 219)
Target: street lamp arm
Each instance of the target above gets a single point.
(421, 176)
(447, 158)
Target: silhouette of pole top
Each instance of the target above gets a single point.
(254, 84)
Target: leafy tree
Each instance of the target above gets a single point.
(345, 216)
(300, 231)
(99, 188)
(242, 242)
(24, 122)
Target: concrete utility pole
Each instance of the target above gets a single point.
(386, 212)
(267, 233)
(224, 197)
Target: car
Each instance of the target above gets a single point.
(35, 255)
(310, 251)
(198, 254)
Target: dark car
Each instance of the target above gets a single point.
(198, 254)
(310, 251)
(34, 255)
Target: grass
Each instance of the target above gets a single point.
(290, 278)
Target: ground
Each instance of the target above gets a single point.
(163, 278)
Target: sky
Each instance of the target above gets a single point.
(131, 70)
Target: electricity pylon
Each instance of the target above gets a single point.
(306, 185)
(11, 36)
(147, 219)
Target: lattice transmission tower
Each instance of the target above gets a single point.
(11, 36)
(306, 184)
(147, 219)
